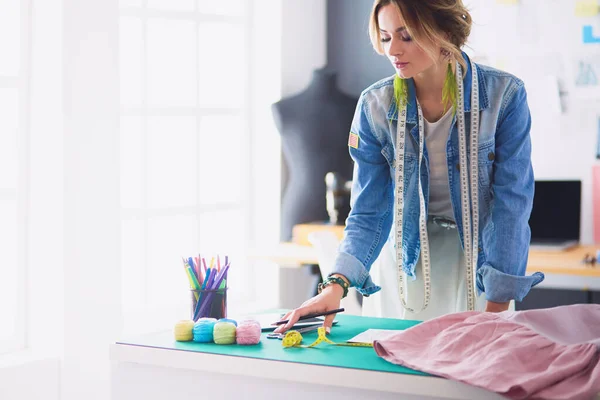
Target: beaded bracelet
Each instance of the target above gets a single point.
(333, 279)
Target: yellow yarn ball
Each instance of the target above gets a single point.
(183, 331)
(224, 333)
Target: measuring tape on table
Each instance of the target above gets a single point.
(470, 232)
(294, 339)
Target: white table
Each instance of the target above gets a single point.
(152, 373)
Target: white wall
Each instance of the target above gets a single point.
(304, 42)
(92, 275)
(303, 49)
(541, 42)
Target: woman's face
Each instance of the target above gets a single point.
(405, 55)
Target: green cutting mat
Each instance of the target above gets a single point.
(324, 354)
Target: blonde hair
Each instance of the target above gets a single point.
(446, 23)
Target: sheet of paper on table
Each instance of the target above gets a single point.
(370, 335)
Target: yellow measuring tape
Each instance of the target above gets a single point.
(294, 339)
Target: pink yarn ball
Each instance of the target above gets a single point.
(248, 332)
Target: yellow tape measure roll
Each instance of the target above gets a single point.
(294, 339)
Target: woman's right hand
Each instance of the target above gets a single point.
(328, 299)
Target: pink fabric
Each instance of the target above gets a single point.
(543, 354)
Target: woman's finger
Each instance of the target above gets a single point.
(328, 323)
(296, 314)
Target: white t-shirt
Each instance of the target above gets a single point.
(436, 138)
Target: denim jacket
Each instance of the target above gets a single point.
(506, 184)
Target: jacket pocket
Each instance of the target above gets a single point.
(410, 161)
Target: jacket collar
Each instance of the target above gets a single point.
(411, 115)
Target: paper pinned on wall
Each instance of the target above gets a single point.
(588, 35)
(586, 77)
(587, 8)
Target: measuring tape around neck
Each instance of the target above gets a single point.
(469, 194)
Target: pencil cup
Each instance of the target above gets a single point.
(209, 303)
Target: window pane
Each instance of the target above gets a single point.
(9, 126)
(169, 239)
(221, 173)
(8, 268)
(229, 7)
(132, 162)
(175, 5)
(133, 259)
(171, 63)
(171, 161)
(130, 61)
(223, 65)
(10, 37)
(222, 232)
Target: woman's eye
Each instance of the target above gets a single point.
(405, 37)
(385, 39)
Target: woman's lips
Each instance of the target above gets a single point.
(400, 65)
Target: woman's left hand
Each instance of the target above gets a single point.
(496, 307)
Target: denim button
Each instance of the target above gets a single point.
(491, 156)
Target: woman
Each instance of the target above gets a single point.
(461, 236)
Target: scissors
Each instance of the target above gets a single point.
(280, 336)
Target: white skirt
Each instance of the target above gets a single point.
(448, 281)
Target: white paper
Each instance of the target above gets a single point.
(370, 335)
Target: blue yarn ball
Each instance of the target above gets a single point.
(228, 320)
(203, 330)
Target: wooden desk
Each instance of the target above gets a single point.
(567, 262)
(549, 262)
(300, 232)
(563, 270)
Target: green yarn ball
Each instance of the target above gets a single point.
(224, 333)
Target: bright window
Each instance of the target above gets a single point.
(184, 70)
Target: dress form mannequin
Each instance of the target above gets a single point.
(314, 127)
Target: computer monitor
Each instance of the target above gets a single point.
(555, 217)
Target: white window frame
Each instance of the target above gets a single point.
(22, 83)
(146, 319)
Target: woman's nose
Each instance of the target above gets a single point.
(396, 47)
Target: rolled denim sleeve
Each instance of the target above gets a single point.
(506, 240)
(369, 222)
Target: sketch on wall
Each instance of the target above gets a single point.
(586, 76)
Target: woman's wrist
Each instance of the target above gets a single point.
(337, 289)
(342, 277)
(335, 280)
(492, 306)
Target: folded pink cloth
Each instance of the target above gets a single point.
(540, 354)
